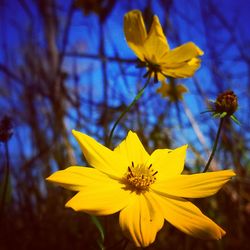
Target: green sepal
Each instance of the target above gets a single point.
(207, 111)
(223, 114)
(235, 119)
(216, 115)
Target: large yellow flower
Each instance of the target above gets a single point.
(146, 189)
(153, 50)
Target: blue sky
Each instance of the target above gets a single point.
(187, 22)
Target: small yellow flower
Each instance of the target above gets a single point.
(172, 91)
(153, 50)
(146, 189)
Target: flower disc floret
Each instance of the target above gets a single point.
(139, 178)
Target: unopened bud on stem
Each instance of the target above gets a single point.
(226, 102)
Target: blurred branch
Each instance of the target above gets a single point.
(100, 57)
(195, 127)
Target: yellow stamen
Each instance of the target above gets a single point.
(140, 177)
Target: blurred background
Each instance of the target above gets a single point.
(65, 65)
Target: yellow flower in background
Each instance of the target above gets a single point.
(146, 189)
(173, 91)
(153, 50)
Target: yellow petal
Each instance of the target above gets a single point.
(182, 70)
(195, 185)
(141, 220)
(100, 157)
(168, 162)
(183, 53)
(178, 93)
(132, 149)
(182, 61)
(75, 178)
(156, 44)
(135, 32)
(189, 219)
(182, 89)
(100, 199)
(163, 89)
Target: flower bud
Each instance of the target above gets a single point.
(226, 102)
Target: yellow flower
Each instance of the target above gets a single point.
(146, 189)
(172, 91)
(153, 50)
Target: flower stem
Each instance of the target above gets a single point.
(6, 179)
(128, 108)
(214, 146)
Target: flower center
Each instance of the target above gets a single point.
(153, 69)
(140, 177)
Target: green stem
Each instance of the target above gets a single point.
(6, 179)
(128, 108)
(214, 146)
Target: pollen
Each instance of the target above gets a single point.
(140, 177)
